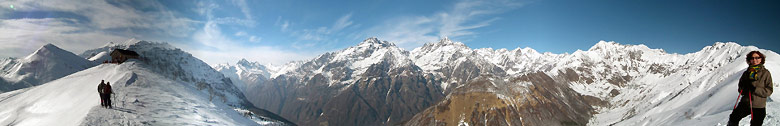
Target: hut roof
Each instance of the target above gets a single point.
(126, 52)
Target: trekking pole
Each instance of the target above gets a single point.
(751, 105)
(114, 97)
(738, 96)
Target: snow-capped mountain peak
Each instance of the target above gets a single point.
(350, 63)
(526, 51)
(605, 45)
(47, 63)
(252, 65)
(243, 62)
(131, 41)
(433, 56)
(49, 51)
(445, 39)
(722, 45)
(375, 43)
(445, 44)
(374, 70)
(245, 73)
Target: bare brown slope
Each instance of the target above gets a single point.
(492, 101)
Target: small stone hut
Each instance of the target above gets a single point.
(121, 55)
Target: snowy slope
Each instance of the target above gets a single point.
(178, 65)
(100, 57)
(142, 97)
(710, 97)
(166, 86)
(45, 64)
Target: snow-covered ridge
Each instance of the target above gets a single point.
(45, 64)
(176, 64)
(700, 92)
(166, 86)
(142, 97)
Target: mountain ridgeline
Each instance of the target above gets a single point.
(165, 86)
(448, 83)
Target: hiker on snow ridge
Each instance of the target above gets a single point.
(755, 86)
(107, 91)
(100, 92)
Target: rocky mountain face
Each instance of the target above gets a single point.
(373, 83)
(45, 64)
(452, 84)
(454, 62)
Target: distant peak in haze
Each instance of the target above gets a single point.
(444, 43)
(375, 41)
(243, 61)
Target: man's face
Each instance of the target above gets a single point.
(755, 59)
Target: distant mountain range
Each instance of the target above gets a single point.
(378, 83)
(446, 82)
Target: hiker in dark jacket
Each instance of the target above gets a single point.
(100, 88)
(107, 91)
(755, 86)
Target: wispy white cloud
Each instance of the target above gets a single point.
(254, 39)
(207, 9)
(217, 47)
(244, 8)
(341, 23)
(117, 21)
(240, 33)
(21, 37)
(103, 15)
(464, 16)
(92, 23)
(307, 38)
(285, 25)
(223, 49)
(262, 54)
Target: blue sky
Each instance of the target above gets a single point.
(279, 31)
